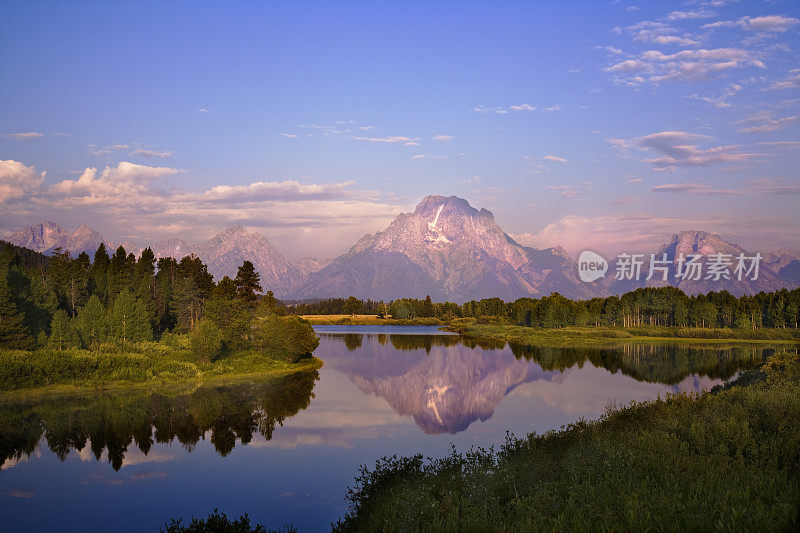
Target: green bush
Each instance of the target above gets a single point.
(205, 341)
(291, 338)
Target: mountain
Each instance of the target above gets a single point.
(779, 259)
(176, 248)
(225, 252)
(445, 248)
(693, 242)
(450, 250)
(312, 264)
(46, 236)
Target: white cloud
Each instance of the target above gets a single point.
(659, 33)
(125, 182)
(287, 190)
(523, 107)
(761, 186)
(687, 15)
(766, 24)
(566, 191)
(24, 136)
(554, 158)
(655, 67)
(152, 154)
(443, 138)
(18, 180)
(720, 101)
(763, 122)
(288, 135)
(396, 139)
(428, 156)
(136, 203)
(791, 82)
(680, 149)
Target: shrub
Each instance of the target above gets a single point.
(205, 341)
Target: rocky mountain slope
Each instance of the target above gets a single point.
(46, 236)
(445, 248)
(450, 250)
(693, 242)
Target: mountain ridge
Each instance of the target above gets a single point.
(444, 248)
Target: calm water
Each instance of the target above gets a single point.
(285, 451)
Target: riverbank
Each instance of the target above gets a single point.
(582, 336)
(143, 365)
(728, 459)
(370, 320)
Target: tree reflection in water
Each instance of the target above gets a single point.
(115, 421)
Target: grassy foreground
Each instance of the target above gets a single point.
(603, 335)
(724, 460)
(144, 363)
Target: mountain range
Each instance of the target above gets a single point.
(445, 248)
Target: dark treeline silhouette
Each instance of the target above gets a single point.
(63, 302)
(116, 422)
(652, 306)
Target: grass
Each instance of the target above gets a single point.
(581, 336)
(370, 320)
(724, 460)
(49, 371)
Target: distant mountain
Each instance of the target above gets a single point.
(225, 252)
(702, 243)
(779, 259)
(312, 264)
(445, 248)
(450, 250)
(176, 248)
(46, 236)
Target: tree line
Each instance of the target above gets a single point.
(64, 302)
(650, 306)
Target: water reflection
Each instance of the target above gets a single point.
(113, 423)
(448, 382)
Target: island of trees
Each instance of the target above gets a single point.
(66, 320)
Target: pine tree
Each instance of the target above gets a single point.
(98, 273)
(13, 333)
(93, 323)
(62, 332)
(248, 282)
(129, 321)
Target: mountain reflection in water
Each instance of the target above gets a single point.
(444, 382)
(114, 422)
(448, 382)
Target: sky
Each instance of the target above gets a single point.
(606, 125)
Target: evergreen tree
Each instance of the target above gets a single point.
(248, 282)
(352, 305)
(93, 323)
(62, 332)
(129, 321)
(230, 315)
(98, 273)
(13, 333)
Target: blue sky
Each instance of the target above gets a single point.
(604, 124)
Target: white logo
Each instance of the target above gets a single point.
(591, 266)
